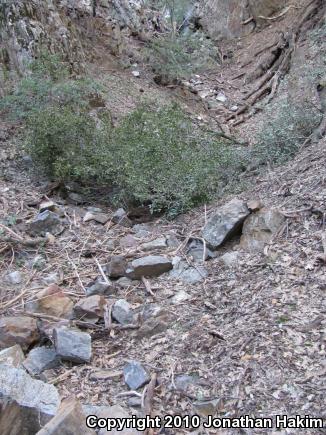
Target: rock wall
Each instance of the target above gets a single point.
(232, 18)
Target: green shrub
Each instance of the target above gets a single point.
(288, 126)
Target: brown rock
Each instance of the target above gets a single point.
(69, 420)
(117, 267)
(91, 308)
(18, 330)
(259, 228)
(105, 375)
(52, 301)
(101, 218)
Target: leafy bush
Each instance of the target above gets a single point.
(288, 125)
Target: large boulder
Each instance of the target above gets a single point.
(225, 223)
(26, 404)
(260, 227)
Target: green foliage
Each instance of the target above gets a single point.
(288, 125)
(47, 83)
(166, 161)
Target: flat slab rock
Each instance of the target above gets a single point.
(226, 222)
(122, 312)
(40, 359)
(52, 301)
(73, 345)
(12, 356)
(26, 404)
(152, 265)
(135, 375)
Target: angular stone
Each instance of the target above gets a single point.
(73, 345)
(105, 375)
(259, 228)
(112, 412)
(117, 266)
(120, 217)
(12, 356)
(185, 273)
(207, 407)
(152, 326)
(18, 330)
(135, 375)
(101, 218)
(155, 245)
(124, 282)
(128, 241)
(52, 301)
(90, 308)
(122, 312)
(15, 277)
(180, 297)
(225, 223)
(47, 205)
(195, 249)
(255, 205)
(152, 265)
(40, 359)
(26, 404)
(70, 420)
(100, 287)
(230, 258)
(47, 222)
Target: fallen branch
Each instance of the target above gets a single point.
(148, 400)
(148, 287)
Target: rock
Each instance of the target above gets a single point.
(195, 249)
(52, 301)
(117, 266)
(101, 218)
(185, 273)
(38, 262)
(141, 231)
(226, 222)
(134, 402)
(120, 217)
(230, 258)
(47, 222)
(13, 356)
(18, 330)
(100, 287)
(184, 382)
(124, 282)
(128, 241)
(151, 310)
(69, 420)
(51, 278)
(47, 205)
(40, 359)
(76, 198)
(152, 326)
(135, 375)
(207, 407)
(152, 265)
(180, 297)
(255, 205)
(112, 244)
(73, 345)
(14, 277)
(135, 73)
(90, 308)
(155, 245)
(105, 375)
(26, 404)
(259, 228)
(221, 97)
(172, 241)
(122, 312)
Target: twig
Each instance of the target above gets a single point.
(148, 402)
(79, 323)
(76, 272)
(15, 299)
(102, 272)
(148, 287)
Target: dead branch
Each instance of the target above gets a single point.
(148, 400)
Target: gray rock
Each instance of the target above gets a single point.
(40, 359)
(120, 217)
(135, 375)
(101, 218)
(124, 282)
(152, 265)
(153, 326)
(122, 312)
(134, 402)
(47, 222)
(73, 345)
(51, 278)
(26, 404)
(195, 249)
(184, 382)
(90, 308)
(69, 420)
(100, 287)
(117, 266)
(185, 273)
(225, 223)
(230, 258)
(13, 356)
(113, 412)
(15, 277)
(141, 231)
(179, 297)
(155, 245)
(259, 228)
